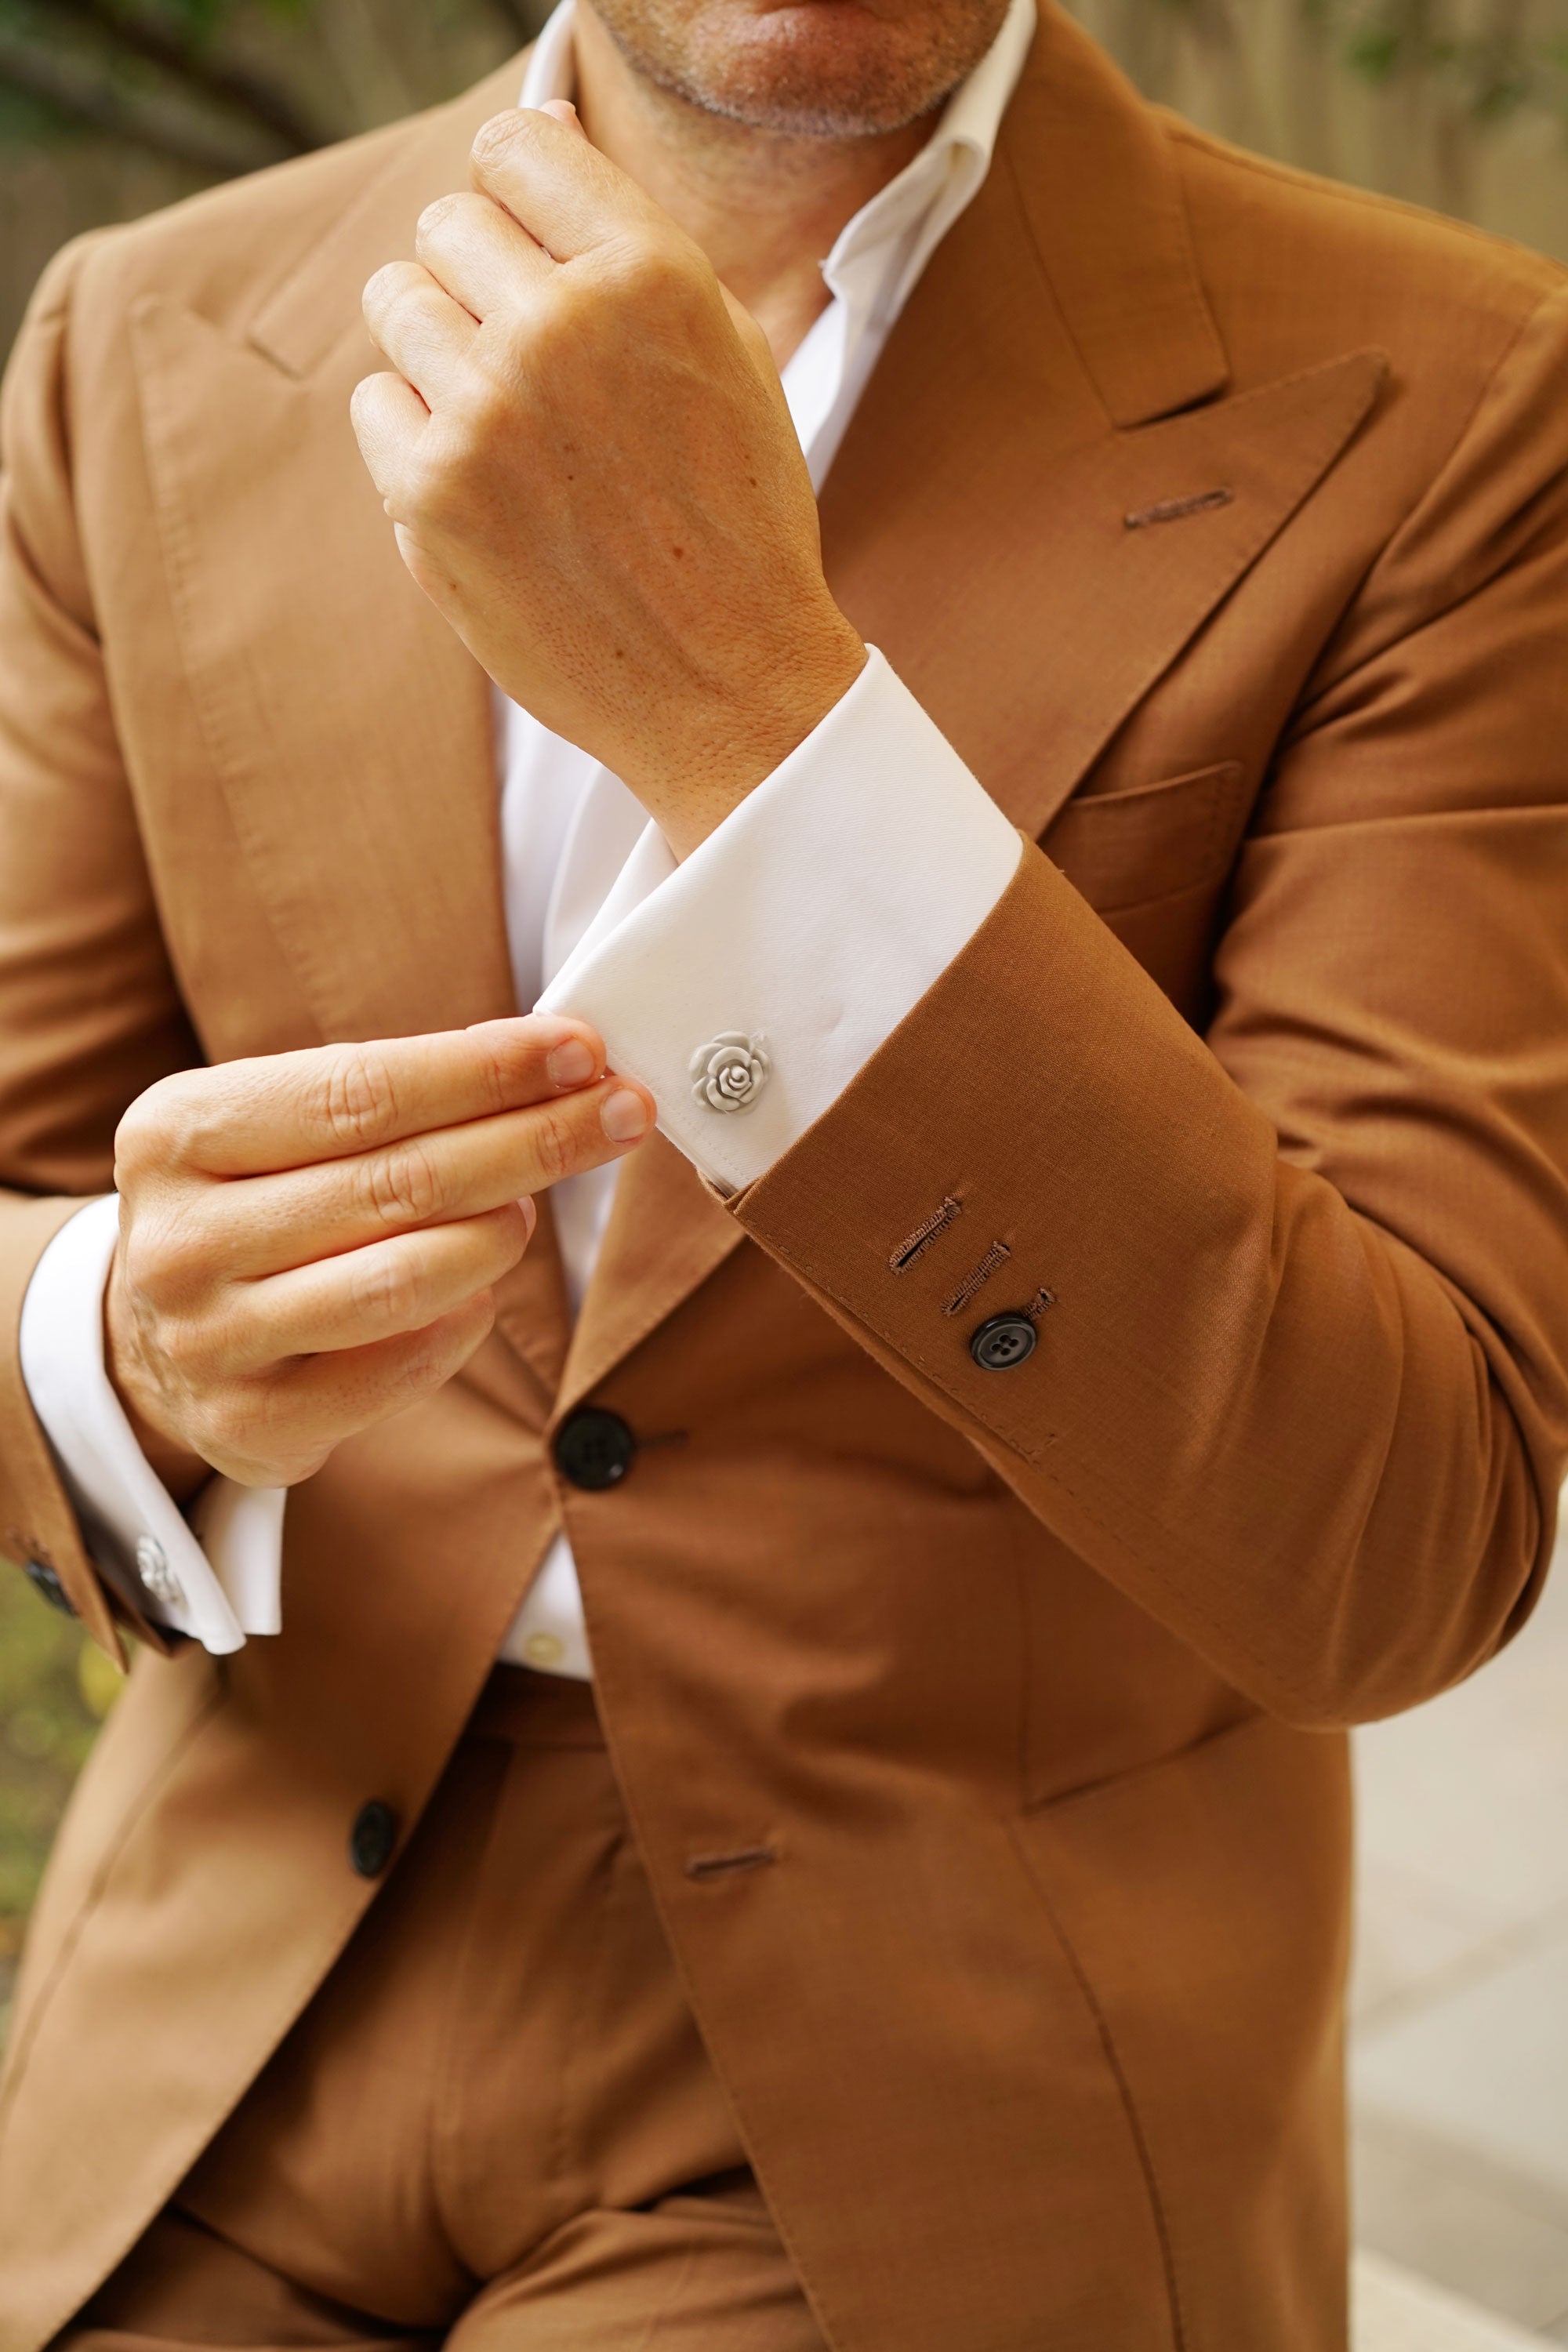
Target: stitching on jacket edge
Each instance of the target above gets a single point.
(1124, 2089)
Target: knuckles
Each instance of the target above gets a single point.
(405, 1187)
(652, 271)
(552, 1144)
(162, 1271)
(385, 1290)
(355, 1096)
(436, 215)
(505, 136)
(167, 1130)
(442, 223)
(395, 284)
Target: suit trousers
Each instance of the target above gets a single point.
(496, 2126)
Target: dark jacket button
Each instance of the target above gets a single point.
(1003, 1342)
(595, 1449)
(46, 1580)
(373, 1839)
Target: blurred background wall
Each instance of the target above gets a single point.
(110, 107)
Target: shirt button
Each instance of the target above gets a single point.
(157, 1576)
(45, 1582)
(544, 1650)
(595, 1449)
(1005, 1340)
(373, 1838)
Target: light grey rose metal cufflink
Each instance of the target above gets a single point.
(157, 1576)
(731, 1071)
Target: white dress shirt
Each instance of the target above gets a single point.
(784, 951)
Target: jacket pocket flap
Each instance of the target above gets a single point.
(1121, 848)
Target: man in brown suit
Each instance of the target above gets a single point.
(995, 1478)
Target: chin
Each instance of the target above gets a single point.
(810, 68)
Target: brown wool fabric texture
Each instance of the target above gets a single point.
(1030, 1686)
(540, 2152)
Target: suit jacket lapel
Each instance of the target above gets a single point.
(1041, 497)
(351, 732)
(1056, 372)
(667, 1235)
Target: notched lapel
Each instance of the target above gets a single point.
(977, 525)
(1056, 370)
(1032, 396)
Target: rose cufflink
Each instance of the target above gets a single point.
(731, 1071)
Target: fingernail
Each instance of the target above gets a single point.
(625, 1117)
(530, 1213)
(570, 1064)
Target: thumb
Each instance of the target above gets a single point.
(564, 111)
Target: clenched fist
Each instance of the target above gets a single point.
(591, 471)
(309, 1241)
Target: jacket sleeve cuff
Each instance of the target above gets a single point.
(217, 1585)
(748, 987)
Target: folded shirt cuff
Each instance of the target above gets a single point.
(217, 1576)
(748, 986)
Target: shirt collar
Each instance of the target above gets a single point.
(553, 66)
(920, 206)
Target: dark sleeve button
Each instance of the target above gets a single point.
(1005, 1340)
(373, 1839)
(45, 1582)
(595, 1449)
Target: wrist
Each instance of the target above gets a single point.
(732, 743)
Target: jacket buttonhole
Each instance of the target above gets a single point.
(931, 1229)
(702, 1867)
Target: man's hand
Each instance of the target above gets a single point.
(308, 1241)
(593, 473)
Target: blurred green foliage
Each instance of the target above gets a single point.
(1498, 59)
(56, 1688)
(221, 85)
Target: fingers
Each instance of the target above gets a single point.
(276, 1429)
(332, 1102)
(389, 419)
(397, 1285)
(422, 331)
(252, 1227)
(553, 179)
(359, 1244)
(333, 1396)
(478, 252)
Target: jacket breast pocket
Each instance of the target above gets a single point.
(1121, 849)
(1153, 863)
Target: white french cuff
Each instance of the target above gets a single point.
(761, 975)
(217, 1578)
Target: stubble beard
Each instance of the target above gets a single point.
(795, 72)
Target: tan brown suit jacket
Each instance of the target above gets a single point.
(1220, 517)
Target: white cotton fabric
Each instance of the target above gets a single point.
(812, 921)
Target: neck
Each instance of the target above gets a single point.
(766, 208)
